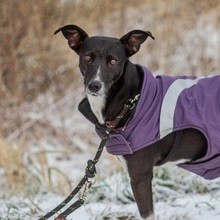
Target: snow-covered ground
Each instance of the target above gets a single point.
(178, 195)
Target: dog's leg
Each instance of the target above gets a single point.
(142, 189)
(141, 174)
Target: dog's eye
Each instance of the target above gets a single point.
(113, 62)
(88, 58)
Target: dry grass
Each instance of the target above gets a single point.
(37, 69)
(32, 58)
(13, 165)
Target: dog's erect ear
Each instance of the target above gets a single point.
(133, 40)
(75, 36)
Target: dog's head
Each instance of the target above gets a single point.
(102, 59)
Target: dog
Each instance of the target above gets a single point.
(176, 119)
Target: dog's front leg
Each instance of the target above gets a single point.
(142, 189)
(141, 176)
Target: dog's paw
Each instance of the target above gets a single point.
(151, 217)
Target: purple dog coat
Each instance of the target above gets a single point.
(170, 104)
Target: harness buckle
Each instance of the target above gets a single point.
(110, 124)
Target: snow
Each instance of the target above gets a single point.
(189, 207)
(169, 204)
(177, 195)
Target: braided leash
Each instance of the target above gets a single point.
(90, 170)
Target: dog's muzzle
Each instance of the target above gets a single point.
(94, 86)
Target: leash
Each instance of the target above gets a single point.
(90, 170)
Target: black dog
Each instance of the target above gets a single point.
(166, 125)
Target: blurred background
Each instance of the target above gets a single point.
(40, 84)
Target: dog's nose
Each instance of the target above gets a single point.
(95, 86)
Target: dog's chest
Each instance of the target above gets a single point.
(97, 103)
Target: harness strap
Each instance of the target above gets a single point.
(176, 144)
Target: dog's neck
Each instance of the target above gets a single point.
(129, 84)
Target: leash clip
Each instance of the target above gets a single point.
(83, 197)
(131, 102)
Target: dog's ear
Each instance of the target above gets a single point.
(75, 36)
(133, 40)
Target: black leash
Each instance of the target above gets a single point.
(90, 170)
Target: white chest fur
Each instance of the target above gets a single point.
(97, 103)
